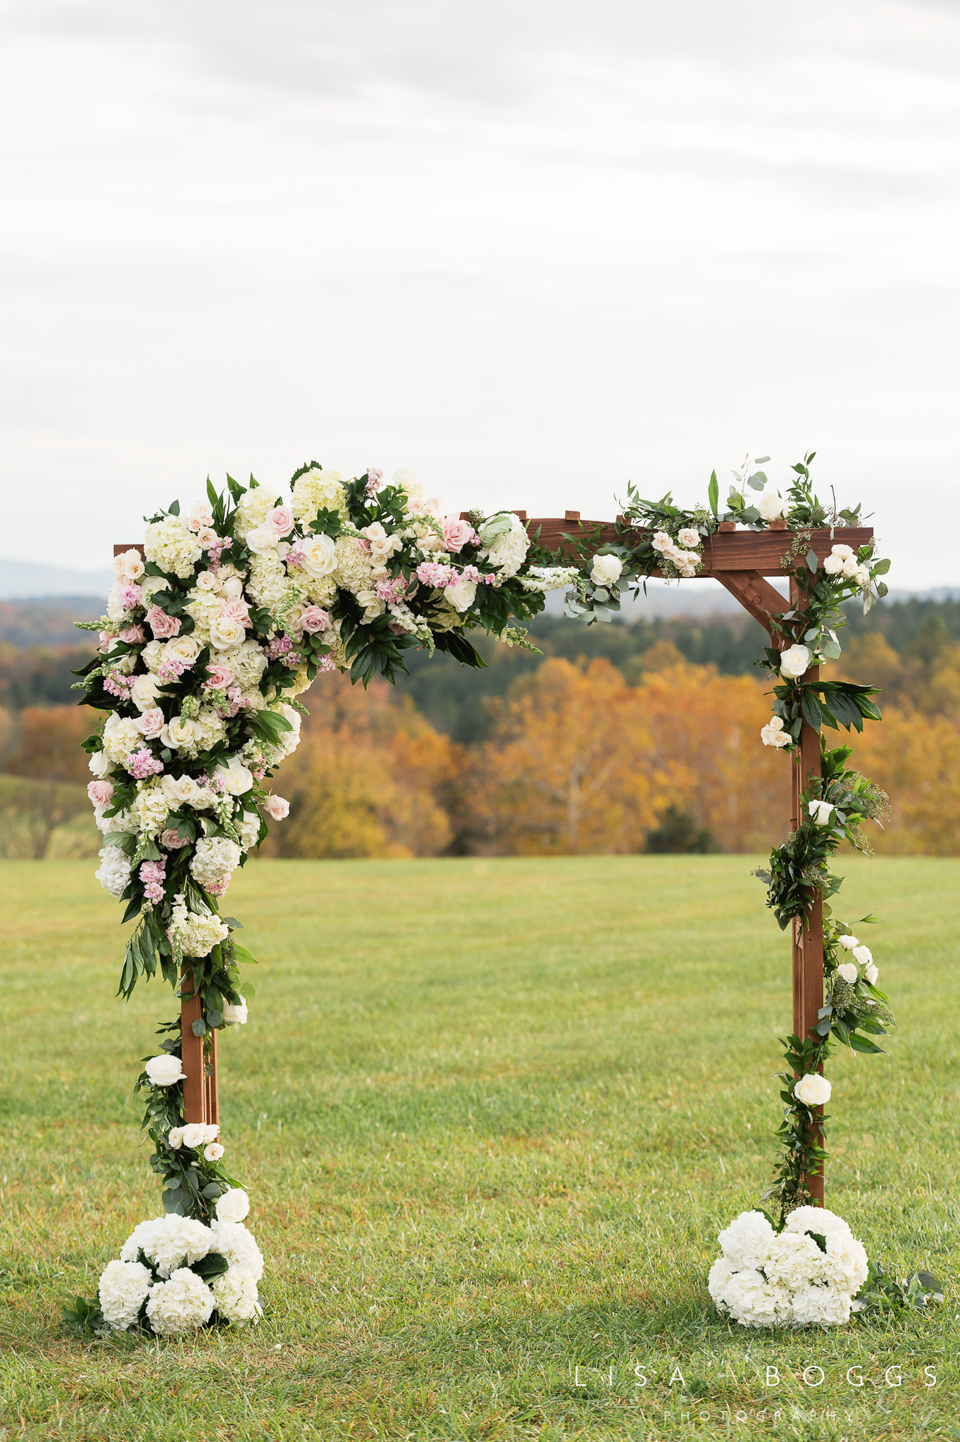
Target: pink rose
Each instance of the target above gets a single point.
(100, 793)
(363, 545)
(132, 634)
(276, 807)
(314, 619)
(218, 677)
(162, 625)
(172, 840)
(107, 639)
(150, 723)
(457, 533)
(280, 520)
(233, 609)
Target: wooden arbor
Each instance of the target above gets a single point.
(740, 561)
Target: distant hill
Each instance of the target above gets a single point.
(25, 580)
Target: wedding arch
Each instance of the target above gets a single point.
(225, 614)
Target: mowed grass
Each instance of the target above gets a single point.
(491, 1115)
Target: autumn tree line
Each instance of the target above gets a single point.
(616, 739)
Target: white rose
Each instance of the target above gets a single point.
(850, 567)
(175, 1138)
(862, 575)
(844, 552)
(821, 812)
(235, 777)
(213, 1151)
(833, 565)
(233, 1206)
(128, 567)
(863, 955)
(182, 648)
(462, 595)
(770, 505)
(207, 581)
(232, 586)
(871, 973)
(100, 764)
(225, 633)
(795, 660)
(179, 790)
(178, 732)
(773, 733)
(143, 692)
(848, 971)
(262, 540)
(688, 537)
(234, 1015)
(194, 1135)
(813, 1090)
(606, 570)
(319, 555)
(163, 1071)
(848, 942)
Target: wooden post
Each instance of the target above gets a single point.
(200, 1100)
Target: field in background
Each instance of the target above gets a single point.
(492, 1114)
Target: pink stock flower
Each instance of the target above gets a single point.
(327, 663)
(276, 807)
(153, 874)
(431, 573)
(131, 597)
(457, 533)
(172, 840)
(118, 685)
(162, 625)
(232, 608)
(217, 677)
(132, 635)
(470, 573)
(100, 792)
(374, 480)
(294, 556)
(142, 763)
(217, 888)
(315, 619)
(280, 520)
(151, 723)
(170, 668)
(391, 591)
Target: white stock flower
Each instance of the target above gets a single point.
(747, 1240)
(233, 1241)
(821, 812)
(182, 1304)
(770, 505)
(795, 660)
(848, 971)
(113, 873)
(122, 1288)
(812, 1090)
(606, 570)
(233, 1206)
(164, 1070)
(235, 1293)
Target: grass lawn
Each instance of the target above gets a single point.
(491, 1115)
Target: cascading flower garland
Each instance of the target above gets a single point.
(208, 639)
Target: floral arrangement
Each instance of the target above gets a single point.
(807, 1274)
(208, 639)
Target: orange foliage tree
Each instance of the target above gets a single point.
(370, 778)
(50, 738)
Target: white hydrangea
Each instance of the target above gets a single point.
(747, 1240)
(509, 550)
(113, 873)
(353, 565)
(170, 1241)
(246, 661)
(172, 547)
(821, 1307)
(753, 1302)
(123, 821)
(123, 1286)
(268, 582)
(197, 932)
(213, 858)
(153, 655)
(287, 741)
(235, 1292)
(115, 611)
(204, 607)
(151, 807)
(179, 1305)
(321, 590)
(253, 509)
(794, 1260)
(143, 1236)
(121, 735)
(248, 829)
(233, 1241)
(315, 490)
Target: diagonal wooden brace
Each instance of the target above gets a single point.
(756, 595)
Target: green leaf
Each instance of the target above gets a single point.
(813, 560)
(210, 1266)
(713, 492)
(880, 568)
(198, 1027)
(861, 1044)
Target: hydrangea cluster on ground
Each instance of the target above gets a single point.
(806, 1275)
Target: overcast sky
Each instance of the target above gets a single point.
(529, 250)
